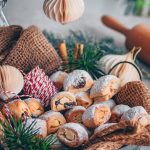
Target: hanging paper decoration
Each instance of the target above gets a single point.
(64, 11)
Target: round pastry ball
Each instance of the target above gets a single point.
(105, 88)
(35, 106)
(40, 126)
(18, 109)
(54, 120)
(72, 134)
(78, 81)
(58, 79)
(96, 115)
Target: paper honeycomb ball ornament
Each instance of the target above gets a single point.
(64, 11)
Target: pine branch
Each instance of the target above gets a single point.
(19, 137)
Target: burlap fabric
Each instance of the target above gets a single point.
(123, 133)
(33, 49)
(105, 146)
(8, 37)
(134, 94)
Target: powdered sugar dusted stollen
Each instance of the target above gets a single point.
(105, 88)
(39, 86)
(8, 37)
(105, 146)
(54, 120)
(96, 115)
(75, 114)
(33, 49)
(134, 94)
(72, 134)
(78, 81)
(63, 101)
(58, 78)
(83, 99)
(40, 126)
(137, 116)
(117, 112)
(110, 103)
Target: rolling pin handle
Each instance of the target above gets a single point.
(114, 24)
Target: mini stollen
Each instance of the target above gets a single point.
(73, 134)
(33, 49)
(134, 94)
(8, 37)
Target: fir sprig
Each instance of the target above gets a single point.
(19, 137)
(88, 61)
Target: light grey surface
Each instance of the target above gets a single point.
(136, 148)
(29, 12)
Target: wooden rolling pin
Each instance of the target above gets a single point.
(137, 36)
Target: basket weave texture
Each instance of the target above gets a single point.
(8, 37)
(134, 94)
(33, 49)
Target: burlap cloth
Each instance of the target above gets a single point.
(8, 37)
(33, 49)
(134, 94)
(124, 133)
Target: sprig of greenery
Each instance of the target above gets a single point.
(19, 137)
(93, 51)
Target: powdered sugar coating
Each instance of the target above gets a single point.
(64, 94)
(102, 127)
(90, 112)
(49, 114)
(75, 78)
(120, 109)
(82, 133)
(133, 113)
(110, 103)
(57, 75)
(40, 125)
(76, 108)
(102, 83)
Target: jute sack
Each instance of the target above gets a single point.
(32, 49)
(8, 37)
(134, 94)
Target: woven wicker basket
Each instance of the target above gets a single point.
(8, 37)
(134, 94)
(33, 49)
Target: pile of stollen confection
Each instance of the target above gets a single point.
(82, 112)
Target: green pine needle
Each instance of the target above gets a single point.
(19, 137)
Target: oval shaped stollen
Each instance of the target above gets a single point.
(134, 94)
